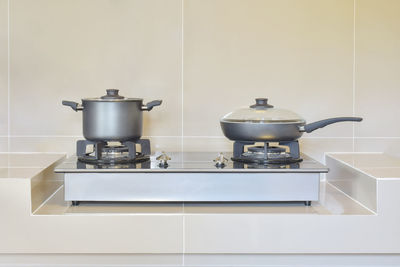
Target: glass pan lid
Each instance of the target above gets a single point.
(262, 112)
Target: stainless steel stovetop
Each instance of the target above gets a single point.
(201, 162)
(192, 177)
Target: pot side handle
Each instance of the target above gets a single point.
(75, 106)
(308, 128)
(149, 106)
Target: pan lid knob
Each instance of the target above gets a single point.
(261, 103)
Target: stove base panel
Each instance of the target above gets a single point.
(192, 187)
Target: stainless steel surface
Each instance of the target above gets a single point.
(353, 182)
(192, 187)
(188, 162)
(112, 121)
(112, 117)
(192, 176)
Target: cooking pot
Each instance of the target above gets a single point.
(112, 117)
(262, 122)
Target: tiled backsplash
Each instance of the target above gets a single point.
(296, 53)
(204, 58)
(3, 70)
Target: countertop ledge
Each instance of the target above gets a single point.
(377, 165)
(27, 165)
(352, 204)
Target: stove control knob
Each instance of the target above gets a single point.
(220, 161)
(163, 160)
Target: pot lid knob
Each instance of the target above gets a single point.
(261, 103)
(112, 94)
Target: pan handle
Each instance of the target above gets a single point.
(308, 128)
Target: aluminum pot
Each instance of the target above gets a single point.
(264, 123)
(112, 117)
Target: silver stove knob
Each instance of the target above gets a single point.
(220, 161)
(163, 160)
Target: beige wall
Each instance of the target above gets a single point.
(3, 75)
(204, 58)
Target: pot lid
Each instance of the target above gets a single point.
(262, 112)
(112, 96)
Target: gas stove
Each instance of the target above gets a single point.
(192, 177)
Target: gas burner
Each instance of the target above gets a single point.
(115, 149)
(284, 160)
(266, 155)
(113, 159)
(270, 149)
(249, 165)
(116, 155)
(82, 165)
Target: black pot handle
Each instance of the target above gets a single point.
(308, 128)
(149, 106)
(75, 106)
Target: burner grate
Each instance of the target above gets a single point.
(268, 161)
(105, 154)
(270, 149)
(266, 155)
(122, 159)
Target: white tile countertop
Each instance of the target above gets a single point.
(357, 213)
(14, 161)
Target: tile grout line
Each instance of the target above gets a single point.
(201, 136)
(182, 70)
(8, 75)
(182, 131)
(183, 233)
(354, 71)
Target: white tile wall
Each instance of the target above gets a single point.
(377, 68)
(73, 49)
(316, 147)
(67, 144)
(3, 144)
(377, 77)
(3, 69)
(301, 60)
(388, 145)
(204, 58)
